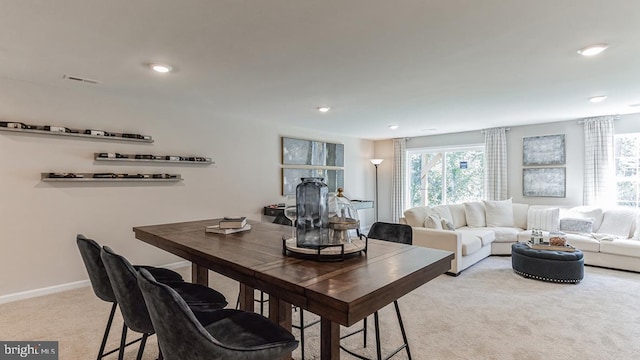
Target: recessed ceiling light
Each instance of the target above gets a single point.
(161, 68)
(393, 126)
(597, 99)
(324, 109)
(593, 49)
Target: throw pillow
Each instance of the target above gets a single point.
(587, 212)
(576, 225)
(474, 212)
(499, 213)
(457, 213)
(417, 215)
(433, 221)
(443, 211)
(547, 219)
(447, 225)
(618, 222)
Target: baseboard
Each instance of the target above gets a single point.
(66, 287)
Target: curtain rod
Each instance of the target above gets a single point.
(582, 121)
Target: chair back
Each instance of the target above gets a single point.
(399, 233)
(90, 252)
(125, 287)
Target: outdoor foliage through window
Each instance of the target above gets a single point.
(445, 177)
(627, 158)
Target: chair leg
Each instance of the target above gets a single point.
(141, 348)
(123, 342)
(364, 332)
(377, 329)
(302, 333)
(106, 331)
(404, 334)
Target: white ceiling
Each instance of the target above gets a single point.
(448, 65)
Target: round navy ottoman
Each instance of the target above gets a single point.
(547, 265)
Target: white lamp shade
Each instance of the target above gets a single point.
(376, 161)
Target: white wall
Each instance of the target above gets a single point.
(39, 221)
(574, 138)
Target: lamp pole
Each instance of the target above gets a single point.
(375, 163)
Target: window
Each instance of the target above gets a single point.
(627, 159)
(445, 176)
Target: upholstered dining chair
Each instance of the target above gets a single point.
(225, 334)
(124, 283)
(399, 233)
(90, 253)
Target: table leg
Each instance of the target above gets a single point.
(246, 298)
(329, 340)
(199, 275)
(280, 313)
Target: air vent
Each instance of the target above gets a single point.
(79, 79)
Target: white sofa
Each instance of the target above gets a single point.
(476, 230)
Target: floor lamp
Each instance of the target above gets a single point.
(375, 163)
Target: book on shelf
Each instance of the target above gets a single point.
(217, 230)
(233, 222)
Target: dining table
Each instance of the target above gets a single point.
(340, 292)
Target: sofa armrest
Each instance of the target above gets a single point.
(437, 239)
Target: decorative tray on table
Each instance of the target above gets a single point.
(331, 252)
(547, 246)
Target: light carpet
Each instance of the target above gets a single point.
(488, 312)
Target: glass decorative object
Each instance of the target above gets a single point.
(343, 219)
(312, 228)
(557, 238)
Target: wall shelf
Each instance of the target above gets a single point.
(80, 133)
(89, 177)
(198, 160)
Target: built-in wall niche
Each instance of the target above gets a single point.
(311, 158)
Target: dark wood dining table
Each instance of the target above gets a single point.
(340, 292)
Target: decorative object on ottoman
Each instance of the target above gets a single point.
(547, 265)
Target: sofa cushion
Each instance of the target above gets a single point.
(617, 222)
(506, 234)
(577, 225)
(498, 213)
(475, 214)
(458, 215)
(486, 236)
(470, 243)
(583, 242)
(416, 216)
(626, 247)
(543, 218)
(433, 221)
(636, 231)
(520, 212)
(443, 211)
(587, 212)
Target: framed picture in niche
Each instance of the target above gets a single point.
(543, 150)
(544, 182)
(311, 153)
(291, 177)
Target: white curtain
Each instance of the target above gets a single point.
(599, 165)
(398, 179)
(495, 164)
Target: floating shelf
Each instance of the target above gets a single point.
(89, 177)
(80, 133)
(199, 160)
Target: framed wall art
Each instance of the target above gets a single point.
(291, 177)
(311, 158)
(544, 182)
(543, 150)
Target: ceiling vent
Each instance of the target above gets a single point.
(79, 79)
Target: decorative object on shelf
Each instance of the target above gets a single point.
(544, 182)
(105, 156)
(63, 176)
(375, 163)
(344, 224)
(543, 150)
(312, 228)
(61, 130)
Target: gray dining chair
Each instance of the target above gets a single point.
(225, 334)
(124, 282)
(398, 233)
(101, 285)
